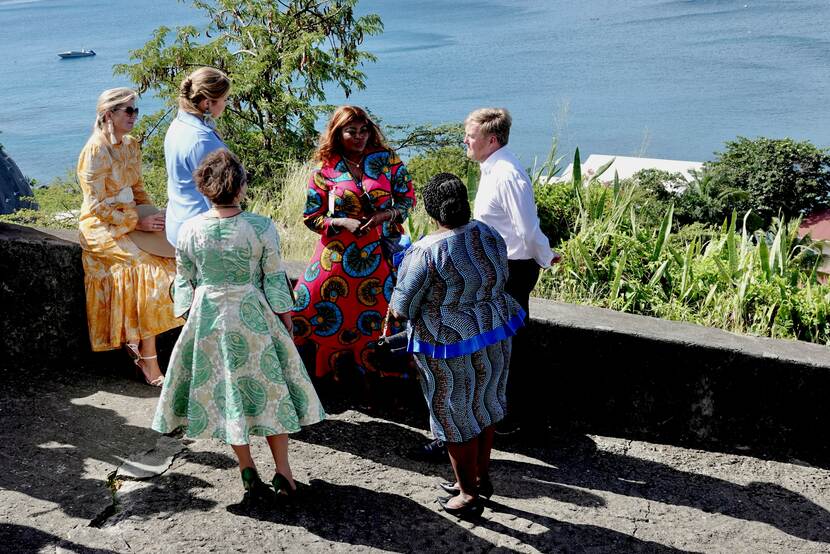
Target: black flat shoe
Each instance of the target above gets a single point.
(485, 489)
(472, 509)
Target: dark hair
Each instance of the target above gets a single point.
(220, 177)
(445, 200)
(331, 143)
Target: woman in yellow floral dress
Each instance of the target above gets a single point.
(127, 298)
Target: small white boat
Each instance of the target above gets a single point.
(76, 53)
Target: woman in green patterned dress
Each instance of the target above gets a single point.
(235, 371)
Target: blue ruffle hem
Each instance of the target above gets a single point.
(470, 345)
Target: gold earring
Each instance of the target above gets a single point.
(111, 131)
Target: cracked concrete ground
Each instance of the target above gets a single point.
(69, 439)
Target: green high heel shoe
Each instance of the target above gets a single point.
(255, 489)
(282, 487)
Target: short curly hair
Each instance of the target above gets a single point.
(220, 177)
(445, 200)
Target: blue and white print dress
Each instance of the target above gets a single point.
(451, 289)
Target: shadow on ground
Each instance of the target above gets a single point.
(29, 539)
(574, 461)
(62, 438)
(395, 523)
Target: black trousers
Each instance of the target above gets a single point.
(520, 283)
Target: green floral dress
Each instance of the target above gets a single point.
(234, 371)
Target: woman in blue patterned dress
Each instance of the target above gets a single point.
(356, 200)
(451, 289)
(234, 371)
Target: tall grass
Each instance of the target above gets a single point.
(284, 203)
(763, 283)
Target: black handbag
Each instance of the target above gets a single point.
(390, 350)
(392, 345)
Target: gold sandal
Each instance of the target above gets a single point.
(132, 350)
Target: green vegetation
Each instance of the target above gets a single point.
(763, 283)
(280, 57)
(768, 178)
(58, 206)
(285, 205)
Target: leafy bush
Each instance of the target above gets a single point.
(701, 199)
(557, 209)
(447, 158)
(760, 283)
(778, 176)
(280, 57)
(763, 177)
(59, 205)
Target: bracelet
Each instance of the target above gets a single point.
(394, 213)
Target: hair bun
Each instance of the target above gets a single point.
(454, 211)
(184, 89)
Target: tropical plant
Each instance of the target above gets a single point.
(281, 56)
(778, 176)
(763, 283)
(699, 199)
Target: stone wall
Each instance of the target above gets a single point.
(43, 320)
(598, 371)
(619, 374)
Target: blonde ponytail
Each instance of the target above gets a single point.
(204, 83)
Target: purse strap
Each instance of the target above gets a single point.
(386, 322)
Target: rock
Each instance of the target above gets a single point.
(152, 463)
(13, 186)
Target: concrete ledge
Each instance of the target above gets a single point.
(599, 371)
(42, 302)
(641, 377)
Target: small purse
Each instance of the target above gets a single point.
(391, 349)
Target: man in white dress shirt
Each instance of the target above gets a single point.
(505, 201)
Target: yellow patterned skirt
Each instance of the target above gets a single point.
(127, 295)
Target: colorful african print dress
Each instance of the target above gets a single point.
(127, 295)
(343, 295)
(234, 371)
(451, 288)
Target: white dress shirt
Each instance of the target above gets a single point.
(504, 201)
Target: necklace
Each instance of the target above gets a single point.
(237, 206)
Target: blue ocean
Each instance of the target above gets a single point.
(657, 78)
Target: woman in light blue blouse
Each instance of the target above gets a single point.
(451, 289)
(192, 136)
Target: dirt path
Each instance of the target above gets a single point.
(65, 436)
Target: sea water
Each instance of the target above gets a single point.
(667, 79)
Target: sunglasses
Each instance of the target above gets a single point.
(129, 110)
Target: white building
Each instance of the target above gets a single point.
(626, 167)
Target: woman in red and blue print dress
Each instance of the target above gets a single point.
(356, 200)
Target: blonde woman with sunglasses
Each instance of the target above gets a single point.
(127, 298)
